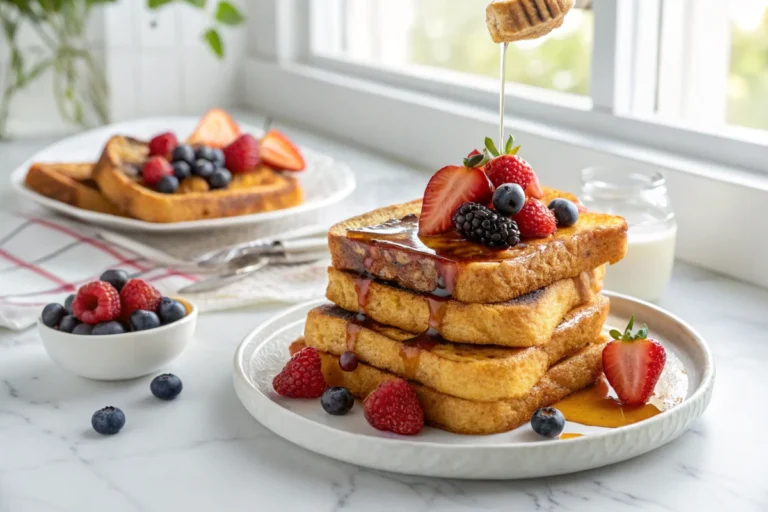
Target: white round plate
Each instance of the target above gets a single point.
(324, 181)
(517, 454)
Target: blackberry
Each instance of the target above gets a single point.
(480, 224)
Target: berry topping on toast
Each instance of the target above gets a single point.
(243, 154)
(155, 169)
(480, 224)
(507, 167)
(633, 364)
(535, 220)
(163, 145)
(280, 153)
(216, 129)
(446, 191)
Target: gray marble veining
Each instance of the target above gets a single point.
(204, 452)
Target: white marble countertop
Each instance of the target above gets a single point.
(204, 452)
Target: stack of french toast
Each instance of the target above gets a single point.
(484, 296)
(217, 171)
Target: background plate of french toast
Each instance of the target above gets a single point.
(180, 174)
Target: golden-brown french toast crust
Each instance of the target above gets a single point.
(66, 182)
(258, 191)
(474, 372)
(596, 239)
(525, 321)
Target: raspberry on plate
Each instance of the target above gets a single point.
(243, 154)
(163, 144)
(96, 302)
(155, 169)
(395, 407)
(535, 220)
(138, 294)
(302, 376)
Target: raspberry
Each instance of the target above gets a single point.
(163, 144)
(138, 294)
(513, 169)
(243, 154)
(395, 407)
(155, 169)
(302, 377)
(535, 220)
(96, 302)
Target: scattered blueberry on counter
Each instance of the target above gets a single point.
(166, 386)
(548, 422)
(565, 212)
(337, 401)
(108, 421)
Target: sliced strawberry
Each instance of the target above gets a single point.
(216, 129)
(633, 364)
(534, 188)
(279, 152)
(448, 189)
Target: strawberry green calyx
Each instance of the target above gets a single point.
(475, 160)
(627, 334)
(509, 147)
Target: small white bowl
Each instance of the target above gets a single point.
(119, 356)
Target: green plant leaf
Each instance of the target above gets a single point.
(154, 4)
(96, 2)
(200, 4)
(228, 14)
(9, 29)
(213, 39)
(491, 147)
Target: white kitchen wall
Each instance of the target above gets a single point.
(155, 62)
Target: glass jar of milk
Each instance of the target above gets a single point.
(641, 198)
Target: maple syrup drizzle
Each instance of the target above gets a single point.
(411, 349)
(354, 326)
(362, 288)
(436, 311)
(570, 436)
(595, 407)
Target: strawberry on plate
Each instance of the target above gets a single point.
(448, 189)
(535, 220)
(243, 154)
(216, 129)
(510, 168)
(280, 153)
(633, 364)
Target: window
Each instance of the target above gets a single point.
(748, 72)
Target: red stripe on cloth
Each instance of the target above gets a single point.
(91, 241)
(37, 270)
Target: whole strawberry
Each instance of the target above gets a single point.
(154, 169)
(302, 377)
(510, 168)
(163, 144)
(395, 407)
(243, 154)
(535, 220)
(96, 302)
(138, 294)
(633, 364)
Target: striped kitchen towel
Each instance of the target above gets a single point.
(44, 259)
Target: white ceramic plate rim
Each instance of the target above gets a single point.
(695, 399)
(18, 175)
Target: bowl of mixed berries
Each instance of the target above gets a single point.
(116, 328)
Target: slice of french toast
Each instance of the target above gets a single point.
(385, 243)
(471, 417)
(70, 183)
(525, 321)
(483, 373)
(116, 174)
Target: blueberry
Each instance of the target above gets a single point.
(183, 153)
(548, 422)
(218, 158)
(509, 199)
(68, 323)
(170, 310)
(84, 329)
(115, 277)
(167, 185)
(141, 320)
(108, 420)
(166, 386)
(105, 328)
(68, 303)
(52, 314)
(204, 153)
(565, 212)
(348, 361)
(337, 401)
(220, 178)
(202, 168)
(181, 170)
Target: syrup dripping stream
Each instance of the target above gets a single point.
(503, 80)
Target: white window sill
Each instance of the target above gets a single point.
(718, 207)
